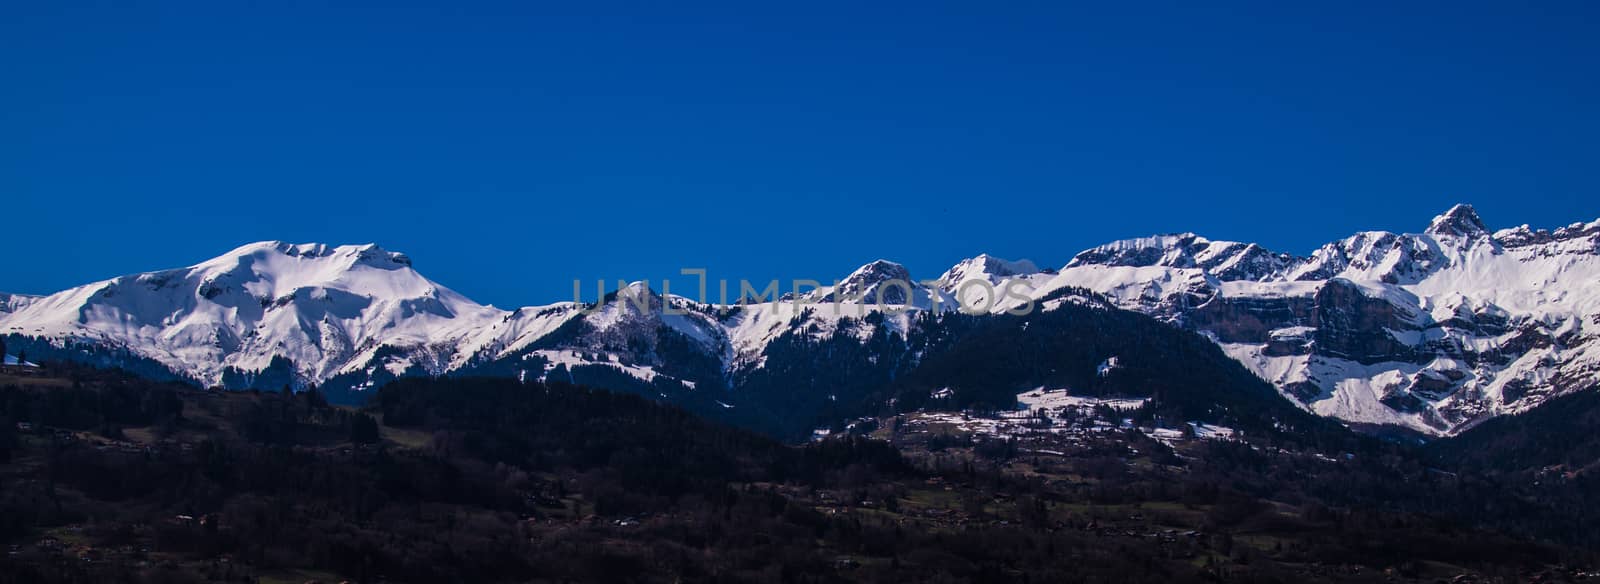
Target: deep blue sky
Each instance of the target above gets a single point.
(511, 148)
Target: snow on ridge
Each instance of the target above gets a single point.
(985, 267)
(334, 310)
(321, 306)
(1454, 287)
(985, 282)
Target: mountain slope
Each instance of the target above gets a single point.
(324, 309)
(1555, 440)
(1433, 331)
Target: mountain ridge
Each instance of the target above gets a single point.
(1433, 331)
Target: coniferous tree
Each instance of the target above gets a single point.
(8, 439)
(363, 429)
(314, 398)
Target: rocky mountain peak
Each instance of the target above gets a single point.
(872, 274)
(1171, 250)
(864, 282)
(1460, 221)
(985, 267)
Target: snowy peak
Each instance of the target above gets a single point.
(277, 260)
(1460, 221)
(981, 283)
(369, 254)
(867, 283)
(1230, 261)
(273, 269)
(1226, 260)
(1377, 255)
(637, 296)
(877, 272)
(985, 267)
(1174, 251)
(1435, 331)
(324, 308)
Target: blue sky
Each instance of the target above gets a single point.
(509, 148)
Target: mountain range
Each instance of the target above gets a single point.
(1432, 332)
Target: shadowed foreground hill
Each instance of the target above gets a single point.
(112, 478)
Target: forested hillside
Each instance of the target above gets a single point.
(113, 478)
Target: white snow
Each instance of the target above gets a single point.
(1545, 281)
(1055, 399)
(1054, 412)
(334, 309)
(12, 360)
(1106, 367)
(1212, 432)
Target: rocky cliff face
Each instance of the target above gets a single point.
(1433, 331)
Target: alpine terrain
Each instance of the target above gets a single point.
(1431, 332)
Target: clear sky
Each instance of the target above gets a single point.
(509, 148)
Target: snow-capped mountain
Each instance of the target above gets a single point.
(323, 308)
(1431, 331)
(977, 282)
(669, 343)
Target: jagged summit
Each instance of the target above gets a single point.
(1226, 260)
(1460, 221)
(1173, 250)
(1434, 331)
